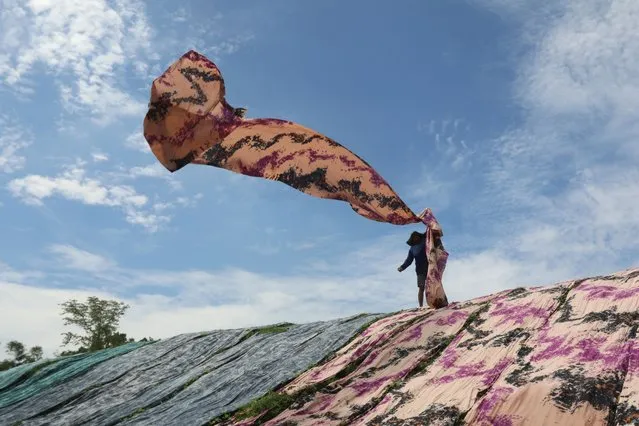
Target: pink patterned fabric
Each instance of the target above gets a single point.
(383, 365)
(437, 258)
(190, 121)
(565, 354)
(375, 335)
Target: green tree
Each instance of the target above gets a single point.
(35, 353)
(99, 319)
(20, 356)
(118, 339)
(74, 352)
(16, 350)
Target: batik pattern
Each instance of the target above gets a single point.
(418, 341)
(565, 354)
(190, 121)
(437, 258)
(374, 336)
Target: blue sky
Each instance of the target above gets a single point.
(515, 123)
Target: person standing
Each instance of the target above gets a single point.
(417, 252)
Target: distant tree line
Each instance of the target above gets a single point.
(97, 318)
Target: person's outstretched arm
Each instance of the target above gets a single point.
(407, 262)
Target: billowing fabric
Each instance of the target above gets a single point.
(190, 121)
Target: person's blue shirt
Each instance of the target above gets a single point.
(417, 253)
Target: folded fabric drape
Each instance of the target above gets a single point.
(190, 121)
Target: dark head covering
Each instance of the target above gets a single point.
(415, 238)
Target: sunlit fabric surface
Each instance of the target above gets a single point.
(190, 121)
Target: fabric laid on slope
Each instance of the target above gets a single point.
(627, 411)
(375, 334)
(58, 372)
(572, 371)
(252, 369)
(188, 379)
(392, 360)
(12, 375)
(123, 386)
(563, 354)
(473, 361)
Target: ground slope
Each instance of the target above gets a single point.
(186, 380)
(565, 354)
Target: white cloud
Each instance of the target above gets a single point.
(189, 202)
(181, 15)
(150, 221)
(596, 218)
(433, 188)
(73, 184)
(137, 142)
(155, 170)
(9, 274)
(13, 139)
(230, 298)
(277, 242)
(99, 157)
(229, 46)
(92, 49)
(203, 300)
(562, 187)
(587, 61)
(449, 162)
(305, 245)
(74, 258)
(84, 44)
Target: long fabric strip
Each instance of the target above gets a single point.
(190, 121)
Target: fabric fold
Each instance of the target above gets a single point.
(190, 121)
